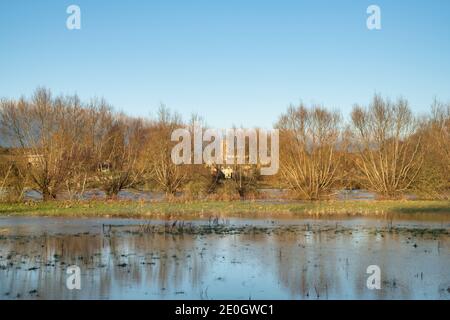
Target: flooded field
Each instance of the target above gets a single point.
(224, 258)
(128, 194)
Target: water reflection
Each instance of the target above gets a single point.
(276, 260)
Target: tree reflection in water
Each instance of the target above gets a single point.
(325, 260)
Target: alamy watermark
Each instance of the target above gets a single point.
(374, 280)
(227, 147)
(73, 21)
(374, 20)
(73, 281)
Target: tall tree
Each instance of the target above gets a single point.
(159, 166)
(309, 161)
(389, 152)
(49, 133)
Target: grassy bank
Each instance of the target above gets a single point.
(205, 209)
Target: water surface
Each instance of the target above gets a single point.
(224, 259)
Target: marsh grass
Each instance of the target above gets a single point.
(206, 209)
(180, 227)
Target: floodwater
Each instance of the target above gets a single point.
(267, 194)
(224, 259)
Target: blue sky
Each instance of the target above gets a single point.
(236, 62)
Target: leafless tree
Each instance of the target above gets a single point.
(389, 153)
(12, 180)
(309, 162)
(433, 180)
(441, 130)
(49, 132)
(117, 155)
(158, 165)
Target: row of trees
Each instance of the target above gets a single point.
(384, 149)
(61, 145)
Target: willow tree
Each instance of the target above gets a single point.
(434, 178)
(117, 154)
(49, 134)
(389, 151)
(159, 167)
(12, 179)
(309, 155)
(441, 131)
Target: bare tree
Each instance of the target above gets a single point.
(389, 153)
(49, 133)
(118, 153)
(309, 162)
(12, 179)
(159, 167)
(433, 180)
(440, 122)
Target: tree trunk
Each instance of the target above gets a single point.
(47, 195)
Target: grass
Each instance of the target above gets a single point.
(205, 209)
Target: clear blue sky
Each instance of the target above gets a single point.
(234, 62)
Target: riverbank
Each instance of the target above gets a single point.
(205, 209)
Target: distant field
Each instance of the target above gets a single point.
(205, 209)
